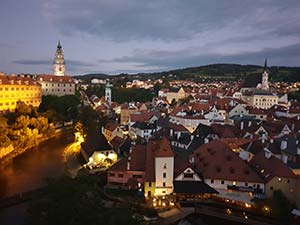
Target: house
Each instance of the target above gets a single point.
(143, 130)
(188, 184)
(223, 170)
(110, 131)
(129, 172)
(276, 175)
(97, 152)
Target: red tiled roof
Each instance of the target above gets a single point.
(53, 78)
(136, 159)
(271, 167)
(111, 126)
(159, 148)
(15, 80)
(215, 160)
(141, 117)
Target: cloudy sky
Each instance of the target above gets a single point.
(114, 36)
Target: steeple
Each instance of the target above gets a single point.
(266, 65)
(265, 77)
(58, 45)
(59, 65)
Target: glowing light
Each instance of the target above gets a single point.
(234, 183)
(154, 204)
(163, 204)
(247, 205)
(266, 209)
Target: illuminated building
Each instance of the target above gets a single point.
(56, 85)
(14, 89)
(59, 65)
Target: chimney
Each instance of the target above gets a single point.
(249, 123)
(171, 132)
(284, 159)
(242, 125)
(283, 145)
(128, 162)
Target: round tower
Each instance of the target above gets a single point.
(108, 87)
(59, 65)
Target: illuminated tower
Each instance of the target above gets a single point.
(108, 87)
(265, 77)
(59, 65)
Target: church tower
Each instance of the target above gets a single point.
(108, 87)
(59, 65)
(265, 77)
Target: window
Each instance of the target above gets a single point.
(211, 181)
(150, 184)
(165, 166)
(188, 175)
(121, 175)
(246, 184)
(271, 188)
(111, 174)
(288, 181)
(164, 175)
(164, 184)
(136, 176)
(222, 182)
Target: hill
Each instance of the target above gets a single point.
(213, 71)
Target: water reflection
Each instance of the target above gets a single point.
(27, 171)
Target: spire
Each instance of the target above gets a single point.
(266, 64)
(59, 45)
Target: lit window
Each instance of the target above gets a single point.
(164, 184)
(234, 183)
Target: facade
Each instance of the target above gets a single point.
(261, 100)
(59, 65)
(14, 89)
(56, 85)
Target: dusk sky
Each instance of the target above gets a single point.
(114, 36)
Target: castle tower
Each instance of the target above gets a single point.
(265, 77)
(59, 65)
(108, 87)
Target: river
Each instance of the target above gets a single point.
(28, 170)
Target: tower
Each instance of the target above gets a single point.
(265, 77)
(108, 87)
(59, 65)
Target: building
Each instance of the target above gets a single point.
(264, 85)
(97, 152)
(261, 99)
(56, 85)
(159, 174)
(59, 65)
(108, 87)
(14, 89)
(276, 175)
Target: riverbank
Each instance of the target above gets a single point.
(16, 152)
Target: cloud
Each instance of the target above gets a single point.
(288, 55)
(70, 63)
(121, 20)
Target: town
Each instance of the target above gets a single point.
(172, 143)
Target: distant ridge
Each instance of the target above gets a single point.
(218, 71)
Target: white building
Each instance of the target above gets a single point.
(59, 65)
(56, 85)
(108, 92)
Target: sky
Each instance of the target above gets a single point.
(130, 36)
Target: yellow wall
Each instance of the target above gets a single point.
(10, 94)
(148, 188)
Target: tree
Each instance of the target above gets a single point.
(75, 202)
(4, 139)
